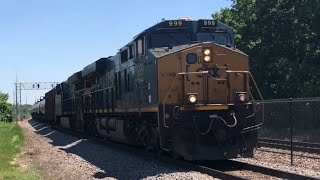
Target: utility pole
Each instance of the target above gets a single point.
(16, 102)
(20, 103)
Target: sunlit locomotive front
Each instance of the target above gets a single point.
(180, 86)
(205, 105)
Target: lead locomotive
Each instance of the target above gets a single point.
(180, 86)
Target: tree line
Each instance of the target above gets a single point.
(282, 38)
(5, 108)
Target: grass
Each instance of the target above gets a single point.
(11, 140)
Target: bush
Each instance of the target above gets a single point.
(5, 108)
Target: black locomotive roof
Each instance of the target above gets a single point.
(189, 25)
(98, 66)
(75, 77)
(160, 52)
(179, 25)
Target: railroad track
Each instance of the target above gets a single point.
(214, 169)
(232, 165)
(285, 144)
(161, 159)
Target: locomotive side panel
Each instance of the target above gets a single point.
(168, 67)
(135, 83)
(151, 77)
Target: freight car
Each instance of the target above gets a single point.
(38, 110)
(179, 86)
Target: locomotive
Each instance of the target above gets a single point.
(179, 86)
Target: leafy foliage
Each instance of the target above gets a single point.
(5, 108)
(282, 39)
(25, 110)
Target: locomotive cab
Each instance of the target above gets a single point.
(204, 95)
(206, 109)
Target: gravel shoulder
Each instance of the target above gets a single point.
(278, 159)
(62, 156)
(57, 155)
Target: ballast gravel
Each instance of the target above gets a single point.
(62, 156)
(307, 164)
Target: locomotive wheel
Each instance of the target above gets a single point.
(149, 138)
(175, 155)
(91, 128)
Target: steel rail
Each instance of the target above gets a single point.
(232, 165)
(271, 171)
(285, 144)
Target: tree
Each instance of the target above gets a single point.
(24, 110)
(5, 108)
(282, 39)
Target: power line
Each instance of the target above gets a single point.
(28, 86)
(36, 85)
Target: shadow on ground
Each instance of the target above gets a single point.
(113, 162)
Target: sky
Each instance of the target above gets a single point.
(49, 40)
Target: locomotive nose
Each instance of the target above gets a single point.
(204, 74)
(204, 81)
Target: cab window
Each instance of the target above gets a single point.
(124, 56)
(140, 44)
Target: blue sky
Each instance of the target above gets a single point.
(44, 41)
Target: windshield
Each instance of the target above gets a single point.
(218, 37)
(169, 39)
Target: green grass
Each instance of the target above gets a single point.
(11, 140)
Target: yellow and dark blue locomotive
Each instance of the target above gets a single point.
(180, 86)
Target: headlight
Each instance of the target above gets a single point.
(207, 58)
(206, 52)
(242, 97)
(192, 98)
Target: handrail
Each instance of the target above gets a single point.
(255, 84)
(177, 74)
(253, 80)
(261, 97)
(228, 71)
(207, 72)
(165, 99)
(196, 72)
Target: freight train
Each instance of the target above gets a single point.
(180, 86)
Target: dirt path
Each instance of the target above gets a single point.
(52, 162)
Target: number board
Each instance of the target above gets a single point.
(207, 23)
(175, 24)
